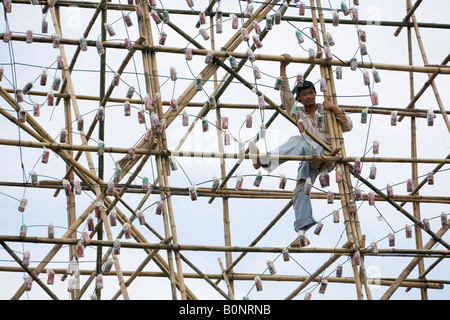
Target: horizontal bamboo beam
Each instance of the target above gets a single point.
(407, 112)
(229, 192)
(126, 7)
(216, 155)
(413, 283)
(346, 250)
(242, 55)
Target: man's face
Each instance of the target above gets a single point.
(307, 97)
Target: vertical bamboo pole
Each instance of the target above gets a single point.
(70, 199)
(101, 135)
(71, 208)
(55, 249)
(414, 167)
(225, 207)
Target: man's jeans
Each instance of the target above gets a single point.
(297, 146)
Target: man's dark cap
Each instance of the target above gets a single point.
(305, 85)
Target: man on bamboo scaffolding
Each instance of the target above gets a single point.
(313, 118)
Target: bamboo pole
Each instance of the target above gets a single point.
(227, 280)
(71, 207)
(227, 193)
(430, 69)
(122, 283)
(344, 251)
(413, 283)
(414, 167)
(100, 162)
(225, 207)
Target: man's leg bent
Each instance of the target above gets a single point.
(295, 146)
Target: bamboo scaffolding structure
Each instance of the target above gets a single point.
(94, 178)
(227, 280)
(425, 61)
(408, 16)
(260, 236)
(407, 214)
(138, 270)
(317, 272)
(127, 190)
(29, 271)
(411, 265)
